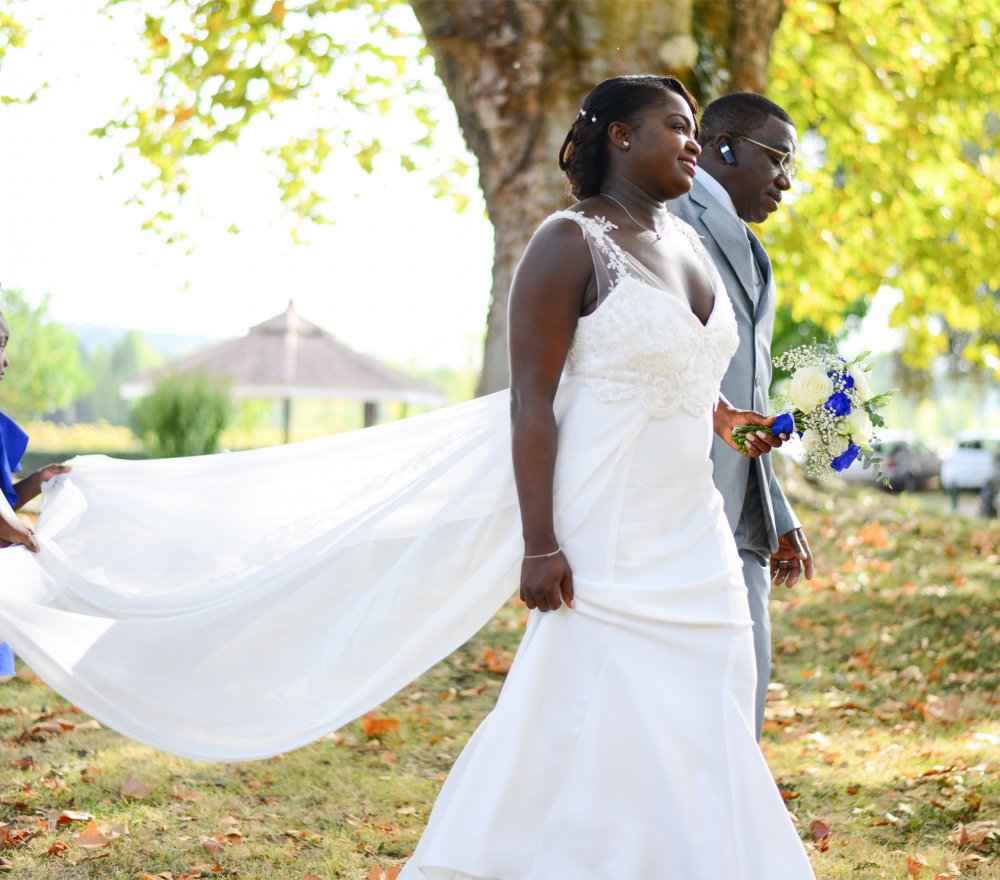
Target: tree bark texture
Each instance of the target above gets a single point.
(517, 72)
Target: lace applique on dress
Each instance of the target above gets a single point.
(644, 342)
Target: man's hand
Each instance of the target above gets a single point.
(792, 557)
(726, 418)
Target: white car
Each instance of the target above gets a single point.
(975, 460)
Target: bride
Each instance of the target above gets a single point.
(310, 582)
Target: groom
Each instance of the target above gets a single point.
(747, 162)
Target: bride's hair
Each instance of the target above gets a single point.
(584, 155)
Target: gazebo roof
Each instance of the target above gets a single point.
(289, 357)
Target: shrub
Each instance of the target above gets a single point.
(184, 415)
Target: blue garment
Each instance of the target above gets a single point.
(7, 668)
(13, 443)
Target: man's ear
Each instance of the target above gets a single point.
(724, 144)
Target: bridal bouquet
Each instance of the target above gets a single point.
(830, 403)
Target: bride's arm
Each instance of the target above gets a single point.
(545, 302)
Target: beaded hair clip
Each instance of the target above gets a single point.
(584, 113)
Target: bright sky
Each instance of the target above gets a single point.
(401, 275)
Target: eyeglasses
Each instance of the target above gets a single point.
(787, 161)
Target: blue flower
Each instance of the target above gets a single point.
(839, 404)
(842, 380)
(843, 461)
(783, 424)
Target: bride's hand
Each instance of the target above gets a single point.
(546, 582)
(17, 532)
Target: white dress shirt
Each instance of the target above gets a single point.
(718, 192)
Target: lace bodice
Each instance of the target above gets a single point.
(644, 342)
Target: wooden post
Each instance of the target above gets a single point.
(287, 417)
(370, 413)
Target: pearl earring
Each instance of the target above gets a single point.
(624, 143)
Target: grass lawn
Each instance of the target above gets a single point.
(883, 732)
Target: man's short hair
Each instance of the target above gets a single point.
(738, 113)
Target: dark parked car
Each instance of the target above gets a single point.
(906, 460)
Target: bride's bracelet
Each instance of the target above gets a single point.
(555, 552)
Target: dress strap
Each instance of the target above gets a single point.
(610, 261)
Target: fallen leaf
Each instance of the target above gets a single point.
(373, 727)
(93, 858)
(198, 870)
(68, 817)
(975, 833)
(498, 663)
(133, 788)
(913, 866)
(213, 845)
(47, 728)
(93, 837)
(57, 849)
(942, 710)
(12, 838)
(873, 534)
(819, 829)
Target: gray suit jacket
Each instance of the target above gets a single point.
(748, 379)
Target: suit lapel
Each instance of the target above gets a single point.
(727, 231)
(764, 262)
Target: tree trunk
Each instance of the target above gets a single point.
(517, 72)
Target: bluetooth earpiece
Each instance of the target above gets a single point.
(727, 154)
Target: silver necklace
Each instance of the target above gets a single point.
(659, 236)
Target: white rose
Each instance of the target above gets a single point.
(810, 386)
(861, 386)
(860, 427)
(812, 442)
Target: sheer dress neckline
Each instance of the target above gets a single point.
(626, 265)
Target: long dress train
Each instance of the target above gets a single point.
(622, 745)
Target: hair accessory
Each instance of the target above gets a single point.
(583, 112)
(593, 119)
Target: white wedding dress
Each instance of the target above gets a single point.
(235, 606)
